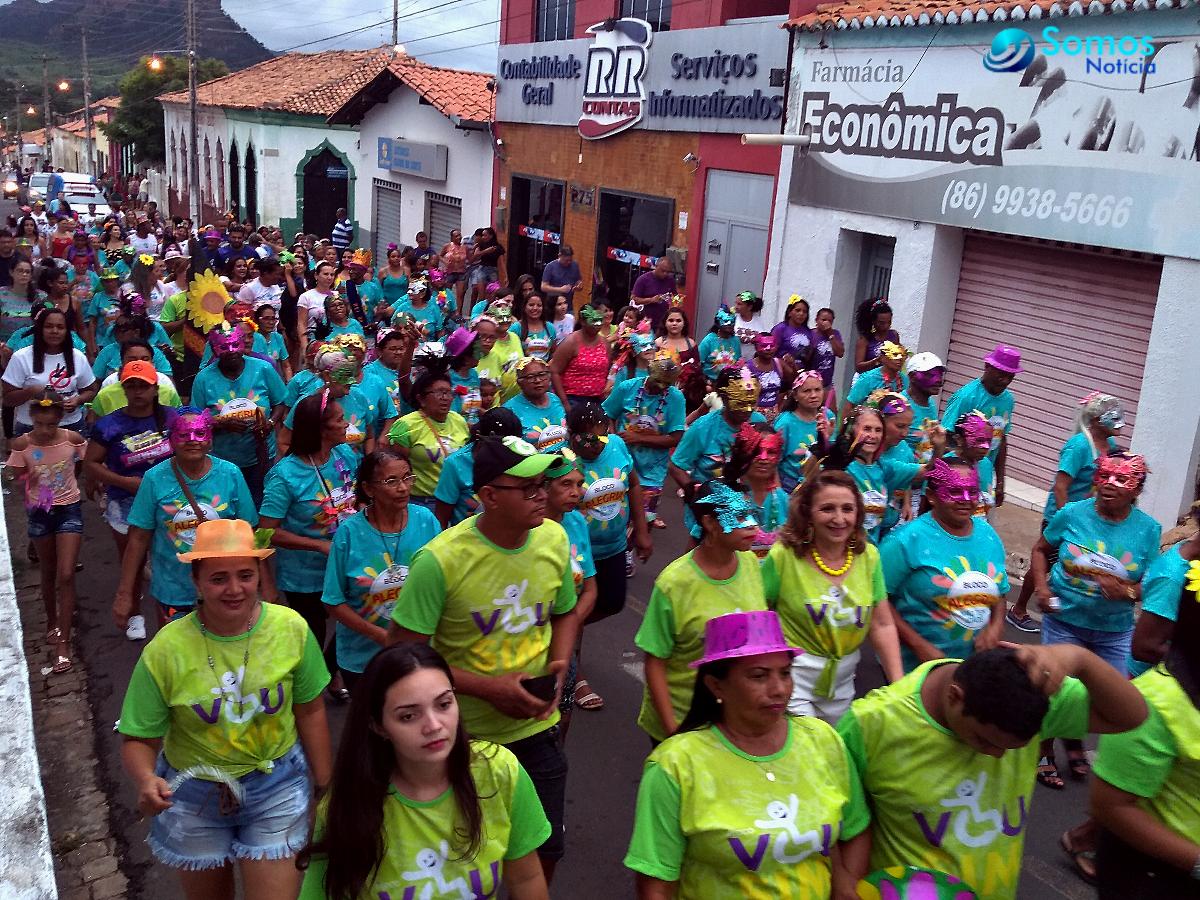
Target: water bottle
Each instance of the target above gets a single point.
(1053, 605)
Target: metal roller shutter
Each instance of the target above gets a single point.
(1082, 322)
(443, 215)
(385, 224)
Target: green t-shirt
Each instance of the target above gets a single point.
(936, 802)
(683, 600)
(174, 309)
(428, 443)
(112, 397)
(725, 824)
(498, 365)
(823, 618)
(420, 840)
(235, 714)
(488, 611)
(1159, 760)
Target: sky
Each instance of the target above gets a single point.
(460, 34)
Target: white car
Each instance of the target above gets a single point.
(79, 204)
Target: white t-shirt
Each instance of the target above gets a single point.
(147, 244)
(20, 374)
(154, 303)
(255, 294)
(313, 301)
(747, 332)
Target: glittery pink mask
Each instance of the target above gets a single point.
(1126, 473)
(928, 380)
(223, 341)
(976, 431)
(191, 429)
(952, 484)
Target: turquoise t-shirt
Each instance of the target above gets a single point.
(944, 586)
(605, 502)
(311, 504)
(538, 343)
(23, 337)
(918, 437)
(468, 399)
(367, 569)
(1077, 460)
(257, 388)
(299, 387)
(1089, 544)
(900, 467)
(275, 348)
(1161, 589)
(352, 326)
(798, 436)
(160, 506)
(635, 409)
(429, 315)
(869, 382)
(717, 353)
(543, 426)
(872, 481)
(583, 564)
(365, 408)
(393, 289)
(997, 408)
(703, 452)
(108, 360)
(772, 516)
(103, 310)
(390, 379)
(456, 484)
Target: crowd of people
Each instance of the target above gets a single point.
(464, 475)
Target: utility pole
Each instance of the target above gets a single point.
(395, 22)
(45, 110)
(89, 169)
(193, 130)
(20, 140)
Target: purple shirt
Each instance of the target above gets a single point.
(794, 342)
(824, 357)
(647, 289)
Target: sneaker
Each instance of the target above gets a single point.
(136, 629)
(630, 565)
(1021, 623)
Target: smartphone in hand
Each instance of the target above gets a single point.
(543, 687)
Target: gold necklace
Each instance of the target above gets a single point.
(835, 573)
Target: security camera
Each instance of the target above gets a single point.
(691, 158)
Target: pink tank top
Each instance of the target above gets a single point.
(49, 473)
(587, 374)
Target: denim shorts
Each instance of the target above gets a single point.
(56, 520)
(116, 513)
(542, 757)
(270, 823)
(453, 278)
(1110, 646)
(483, 275)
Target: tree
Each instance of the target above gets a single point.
(139, 121)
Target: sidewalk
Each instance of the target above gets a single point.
(85, 854)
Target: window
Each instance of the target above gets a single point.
(555, 20)
(631, 233)
(656, 12)
(535, 224)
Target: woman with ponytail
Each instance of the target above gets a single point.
(414, 800)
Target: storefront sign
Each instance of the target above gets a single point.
(411, 158)
(539, 234)
(583, 198)
(631, 258)
(1008, 141)
(626, 76)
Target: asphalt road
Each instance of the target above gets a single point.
(606, 748)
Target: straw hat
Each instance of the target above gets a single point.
(223, 539)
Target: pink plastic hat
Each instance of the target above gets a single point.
(1006, 359)
(743, 634)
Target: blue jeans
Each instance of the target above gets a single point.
(1110, 646)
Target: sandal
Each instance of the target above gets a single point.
(340, 695)
(1078, 765)
(61, 664)
(1047, 774)
(1084, 860)
(54, 635)
(585, 698)
(657, 523)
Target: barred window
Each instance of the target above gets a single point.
(656, 12)
(556, 20)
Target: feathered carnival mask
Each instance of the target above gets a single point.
(893, 351)
(591, 316)
(759, 444)
(336, 366)
(133, 305)
(765, 344)
(724, 317)
(226, 338)
(975, 429)
(889, 403)
(664, 367)
(741, 394)
(349, 341)
(731, 508)
(361, 259)
(953, 484)
(1123, 470)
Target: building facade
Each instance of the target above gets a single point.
(1015, 179)
(618, 132)
(424, 153)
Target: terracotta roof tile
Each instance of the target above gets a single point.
(314, 84)
(79, 126)
(896, 13)
(453, 92)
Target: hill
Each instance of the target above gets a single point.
(119, 33)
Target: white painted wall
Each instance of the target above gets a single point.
(468, 168)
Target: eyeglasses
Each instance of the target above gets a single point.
(530, 490)
(442, 394)
(397, 480)
(534, 376)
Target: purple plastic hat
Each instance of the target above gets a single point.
(743, 634)
(1006, 359)
(459, 341)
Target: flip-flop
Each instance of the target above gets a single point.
(341, 695)
(1079, 766)
(61, 664)
(54, 635)
(1047, 774)
(1083, 860)
(589, 699)
(658, 523)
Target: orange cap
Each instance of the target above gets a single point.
(139, 369)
